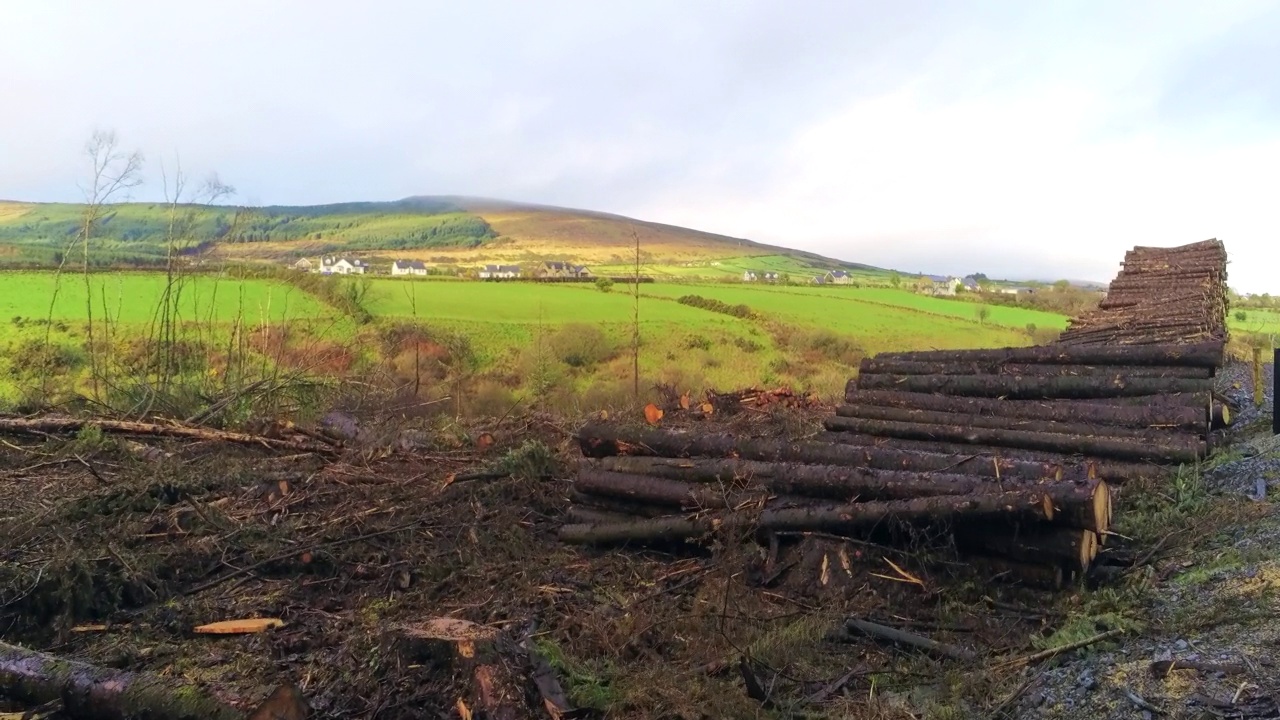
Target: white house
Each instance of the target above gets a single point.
(342, 266)
(500, 271)
(408, 267)
(839, 277)
(753, 275)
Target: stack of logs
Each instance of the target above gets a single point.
(1163, 295)
(1014, 450)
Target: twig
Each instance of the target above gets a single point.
(1018, 692)
(285, 556)
(1054, 652)
(1137, 699)
(92, 470)
(834, 687)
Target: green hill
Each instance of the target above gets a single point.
(443, 230)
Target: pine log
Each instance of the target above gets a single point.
(667, 492)
(979, 457)
(878, 366)
(1172, 449)
(602, 440)
(1041, 504)
(831, 482)
(1205, 354)
(97, 693)
(581, 514)
(1044, 576)
(1176, 417)
(617, 507)
(1034, 388)
(871, 412)
(1074, 547)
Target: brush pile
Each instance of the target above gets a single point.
(1011, 451)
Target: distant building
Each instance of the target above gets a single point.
(304, 265)
(561, 269)
(754, 275)
(500, 271)
(1017, 290)
(839, 277)
(342, 266)
(820, 280)
(408, 267)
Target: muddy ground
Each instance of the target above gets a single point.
(113, 549)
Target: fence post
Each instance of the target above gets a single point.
(1259, 388)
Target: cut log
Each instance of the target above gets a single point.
(96, 693)
(871, 412)
(832, 482)
(901, 637)
(979, 457)
(1172, 449)
(1047, 577)
(617, 507)
(878, 366)
(1174, 417)
(1205, 354)
(583, 515)
(1073, 547)
(1041, 504)
(674, 493)
(603, 440)
(1033, 388)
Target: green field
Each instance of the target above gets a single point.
(132, 298)
(796, 268)
(1262, 322)
(807, 337)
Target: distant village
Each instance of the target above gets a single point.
(941, 285)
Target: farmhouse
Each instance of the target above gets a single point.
(820, 280)
(408, 267)
(754, 275)
(839, 277)
(559, 269)
(490, 272)
(1017, 291)
(342, 266)
(303, 265)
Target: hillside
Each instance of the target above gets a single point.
(438, 229)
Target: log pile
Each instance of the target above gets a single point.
(1163, 295)
(1011, 450)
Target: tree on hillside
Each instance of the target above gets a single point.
(983, 312)
(1062, 285)
(895, 279)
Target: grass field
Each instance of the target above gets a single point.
(808, 337)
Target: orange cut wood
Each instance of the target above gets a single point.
(237, 627)
(652, 414)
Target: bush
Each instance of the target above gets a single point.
(742, 311)
(1242, 316)
(747, 345)
(580, 345)
(604, 284)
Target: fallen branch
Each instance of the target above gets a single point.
(1141, 703)
(97, 693)
(63, 424)
(1162, 668)
(1069, 647)
(901, 637)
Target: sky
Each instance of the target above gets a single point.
(1019, 139)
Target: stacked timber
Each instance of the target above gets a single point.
(648, 485)
(1011, 450)
(1163, 295)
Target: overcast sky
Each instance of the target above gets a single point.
(1029, 139)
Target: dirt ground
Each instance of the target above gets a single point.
(113, 549)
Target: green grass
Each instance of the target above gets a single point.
(799, 268)
(1261, 322)
(132, 298)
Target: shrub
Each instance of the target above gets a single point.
(742, 311)
(1242, 315)
(604, 284)
(747, 345)
(580, 345)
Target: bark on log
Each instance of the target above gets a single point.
(971, 458)
(585, 515)
(1173, 449)
(879, 366)
(901, 637)
(1047, 577)
(61, 424)
(1074, 547)
(871, 412)
(1176, 417)
(831, 482)
(1033, 388)
(619, 507)
(96, 693)
(673, 493)
(601, 440)
(1205, 354)
(1040, 504)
